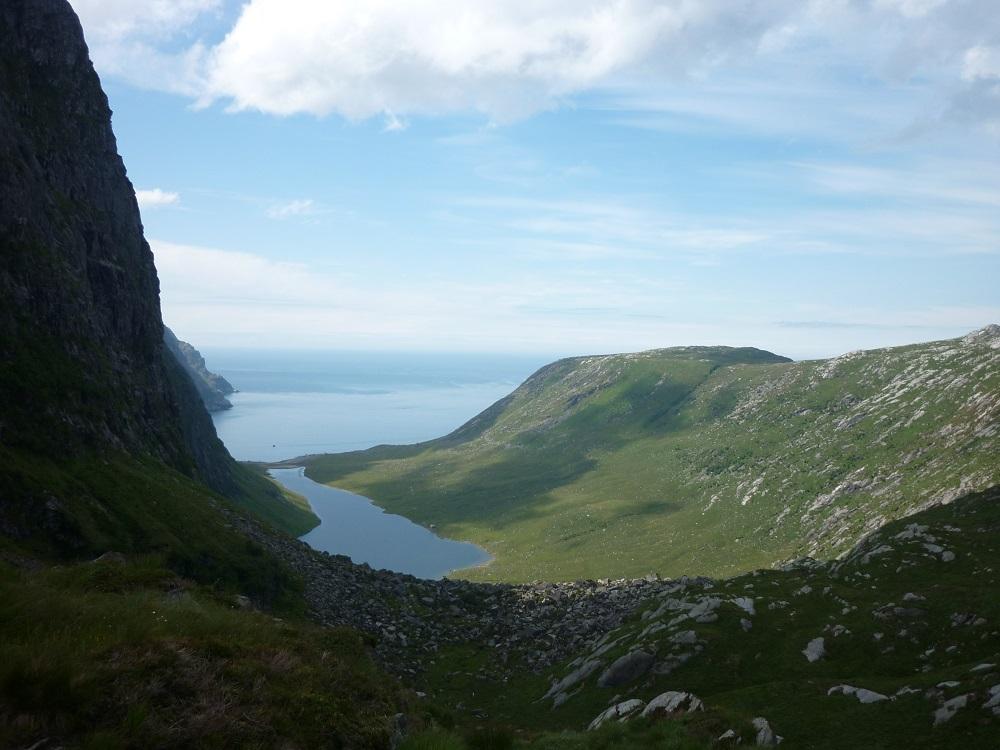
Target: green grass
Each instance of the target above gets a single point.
(698, 461)
(123, 656)
(668, 735)
(84, 507)
(283, 509)
(762, 672)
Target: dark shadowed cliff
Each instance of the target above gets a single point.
(83, 365)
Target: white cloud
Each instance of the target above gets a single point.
(959, 183)
(156, 198)
(106, 20)
(510, 58)
(291, 209)
(981, 61)
(502, 58)
(394, 124)
(146, 42)
(229, 298)
(910, 8)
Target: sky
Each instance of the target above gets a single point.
(562, 176)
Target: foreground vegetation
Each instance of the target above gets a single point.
(82, 507)
(696, 460)
(917, 626)
(124, 654)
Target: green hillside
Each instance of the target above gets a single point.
(697, 460)
(911, 615)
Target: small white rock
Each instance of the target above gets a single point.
(671, 701)
(862, 694)
(765, 735)
(620, 711)
(815, 649)
(949, 708)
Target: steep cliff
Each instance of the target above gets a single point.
(211, 387)
(84, 370)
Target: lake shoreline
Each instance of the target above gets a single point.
(356, 526)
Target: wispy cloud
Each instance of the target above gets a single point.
(121, 19)
(609, 228)
(293, 209)
(956, 182)
(837, 324)
(232, 298)
(156, 198)
(394, 124)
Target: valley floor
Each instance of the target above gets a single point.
(897, 645)
(910, 615)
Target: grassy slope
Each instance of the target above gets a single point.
(87, 506)
(286, 511)
(110, 655)
(155, 653)
(707, 461)
(106, 655)
(763, 672)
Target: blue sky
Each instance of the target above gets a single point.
(562, 177)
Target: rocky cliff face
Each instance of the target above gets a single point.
(83, 365)
(212, 387)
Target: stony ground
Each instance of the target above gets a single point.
(901, 635)
(532, 625)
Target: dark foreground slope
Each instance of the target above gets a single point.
(706, 460)
(185, 632)
(84, 372)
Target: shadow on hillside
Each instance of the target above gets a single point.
(514, 484)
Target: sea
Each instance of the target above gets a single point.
(297, 403)
(292, 404)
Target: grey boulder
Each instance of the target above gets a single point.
(673, 701)
(625, 669)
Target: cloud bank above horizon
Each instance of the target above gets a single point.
(508, 59)
(228, 297)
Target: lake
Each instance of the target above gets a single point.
(295, 403)
(352, 525)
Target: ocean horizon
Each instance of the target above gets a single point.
(293, 403)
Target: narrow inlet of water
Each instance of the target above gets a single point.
(353, 525)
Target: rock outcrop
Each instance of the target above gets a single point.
(211, 387)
